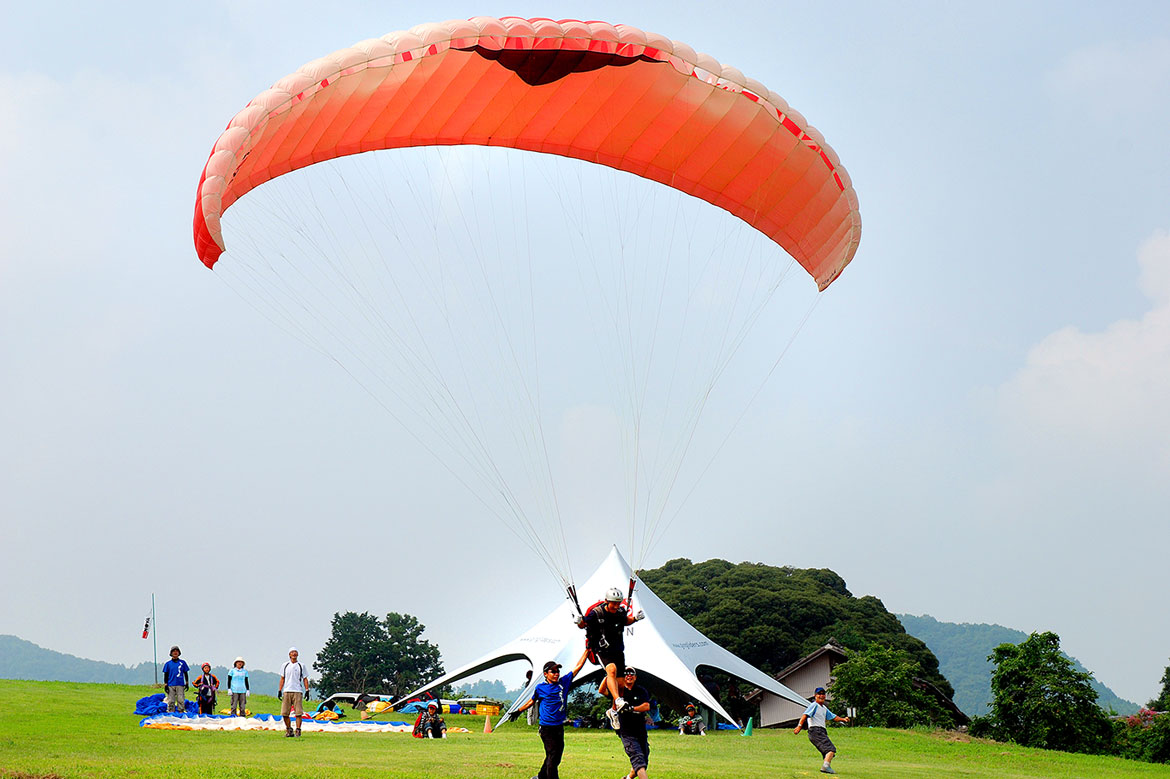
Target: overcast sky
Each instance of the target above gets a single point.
(973, 425)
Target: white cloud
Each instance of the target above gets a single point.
(1118, 78)
(1103, 393)
(1154, 259)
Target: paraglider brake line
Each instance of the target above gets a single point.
(572, 591)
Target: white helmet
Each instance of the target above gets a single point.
(613, 594)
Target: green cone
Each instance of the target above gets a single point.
(748, 730)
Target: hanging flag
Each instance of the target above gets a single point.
(146, 627)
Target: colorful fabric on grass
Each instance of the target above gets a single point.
(265, 722)
(157, 704)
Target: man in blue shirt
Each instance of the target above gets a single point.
(816, 715)
(175, 672)
(553, 696)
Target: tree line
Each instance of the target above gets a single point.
(772, 616)
(1039, 699)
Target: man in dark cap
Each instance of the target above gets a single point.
(632, 723)
(817, 715)
(553, 696)
(176, 679)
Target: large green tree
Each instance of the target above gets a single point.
(773, 616)
(878, 681)
(365, 654)
(1040, 700)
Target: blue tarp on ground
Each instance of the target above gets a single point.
(194, 714)
(416, 706)
(157, 704)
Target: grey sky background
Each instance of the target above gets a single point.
(973, 424)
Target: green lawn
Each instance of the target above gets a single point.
(50, 729)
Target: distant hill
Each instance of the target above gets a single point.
(962, 651)
(20, 659)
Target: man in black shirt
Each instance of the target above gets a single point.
(605, 627)
(632, 723)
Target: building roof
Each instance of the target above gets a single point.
(836, 655)
(943, 699)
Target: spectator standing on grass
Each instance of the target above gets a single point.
(551, 697)
(206, 687)
(817, 715)
(238, 687)
(176, 674)
(294, 685)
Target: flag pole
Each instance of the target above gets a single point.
(155, 621)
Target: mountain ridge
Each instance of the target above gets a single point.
(21, 659)
(962, 649)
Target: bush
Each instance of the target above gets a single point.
(1144, 736)
(879, 683)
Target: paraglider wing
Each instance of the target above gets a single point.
(608, 94)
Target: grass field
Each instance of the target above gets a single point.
(58, 729)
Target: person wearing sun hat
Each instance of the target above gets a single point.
(238, 687)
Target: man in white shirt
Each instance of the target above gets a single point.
(294, 685)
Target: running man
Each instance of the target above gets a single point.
(817, 714)
(605, 628)
(552, 695)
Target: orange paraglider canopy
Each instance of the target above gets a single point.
(608, 94)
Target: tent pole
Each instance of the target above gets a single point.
(155, 622)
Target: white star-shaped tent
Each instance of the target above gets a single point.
(663, 647)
